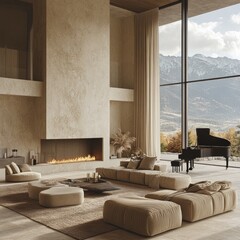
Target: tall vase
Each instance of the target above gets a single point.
(119, 154)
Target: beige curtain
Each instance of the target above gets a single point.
(147, 103)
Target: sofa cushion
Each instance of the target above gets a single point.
(123, 175)
(110, 173)
(8, 170)
(147, 163)
(174, 181)
(24, 167)
(14, 168)
(137, 177)
(133, 164)
(149, 174)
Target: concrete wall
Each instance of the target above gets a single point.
(77, 76)
(18, 124)
(71, 42)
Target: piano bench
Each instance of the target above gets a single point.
(177, 165)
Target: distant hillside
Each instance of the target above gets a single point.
(214, 104)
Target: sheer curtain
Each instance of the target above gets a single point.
(147, 96)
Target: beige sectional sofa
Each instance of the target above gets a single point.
(152, 178)
(191, 201)
(198, 201)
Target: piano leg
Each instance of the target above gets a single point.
(191, 164)
(226, 162)
(187, 165)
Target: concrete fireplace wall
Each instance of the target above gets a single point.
(77, 73)
(71, 57)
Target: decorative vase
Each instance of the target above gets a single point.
(119, 154)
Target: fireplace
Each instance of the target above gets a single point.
(71, 150)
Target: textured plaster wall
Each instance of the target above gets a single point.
(9, 86)
(121, 71)
(77, 77)
(18, 125)
(122, 49)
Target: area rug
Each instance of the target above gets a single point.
(79, 222)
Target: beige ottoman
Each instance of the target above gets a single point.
(144, 216)
(34, 188)
(196, 206)
(61, 196)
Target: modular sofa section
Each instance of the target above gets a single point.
(141, 215)
(197, 206)
(152, 178)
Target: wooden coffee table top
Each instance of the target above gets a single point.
(100, 186)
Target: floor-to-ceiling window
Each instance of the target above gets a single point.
(170, 78)
(213, 76)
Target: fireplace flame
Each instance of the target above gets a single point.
(73, 160)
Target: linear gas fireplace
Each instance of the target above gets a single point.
(71, 150)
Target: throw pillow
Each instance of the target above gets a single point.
(9, 171)
(24, 167)
(14, 167)
(147, 163)
(133, 164)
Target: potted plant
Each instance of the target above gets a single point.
(122, 142)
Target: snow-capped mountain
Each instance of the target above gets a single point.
(214, 104)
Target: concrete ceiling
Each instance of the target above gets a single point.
(173, 13)
(195, 8)
(138, 6)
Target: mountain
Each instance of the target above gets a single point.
(214, 104)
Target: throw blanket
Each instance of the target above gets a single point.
(203, 187)
(206, 187)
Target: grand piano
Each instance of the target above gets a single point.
(207, 146)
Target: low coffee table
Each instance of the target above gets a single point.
(98, 187)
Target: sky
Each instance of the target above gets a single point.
(214, 34)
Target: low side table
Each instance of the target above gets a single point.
(7, 161)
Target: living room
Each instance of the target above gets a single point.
(79, 86)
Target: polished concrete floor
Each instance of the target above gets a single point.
(222, 227)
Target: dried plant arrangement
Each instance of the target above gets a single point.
(122, 141)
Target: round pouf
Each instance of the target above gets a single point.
(61, 196)
(34, 188)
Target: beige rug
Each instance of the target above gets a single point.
(80, 222)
